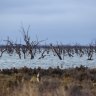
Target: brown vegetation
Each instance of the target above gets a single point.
(80, 81)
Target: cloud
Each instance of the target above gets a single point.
(67, 19)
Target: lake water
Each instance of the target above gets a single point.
(50, 60)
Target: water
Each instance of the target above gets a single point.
(50, 60)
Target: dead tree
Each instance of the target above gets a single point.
(56, 51)
(9, 46)
(42, 55)
(30, 45)
(2, 50)
(18, 50)
(69, 52)
(90, 53)
(24, 51)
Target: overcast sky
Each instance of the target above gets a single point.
(66, 21)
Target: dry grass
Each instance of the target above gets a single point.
(69, 82)
(52, 87)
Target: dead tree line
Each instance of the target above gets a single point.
(31, 48)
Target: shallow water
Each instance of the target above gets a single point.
(50, 60)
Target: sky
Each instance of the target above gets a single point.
(66, 21)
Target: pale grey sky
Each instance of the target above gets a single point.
(66, 21)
